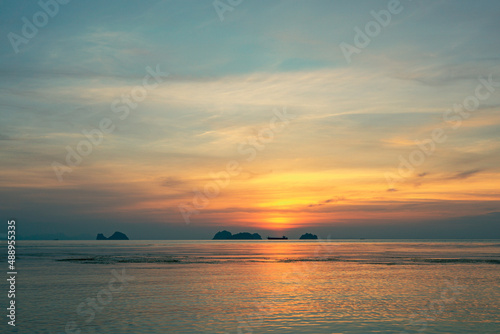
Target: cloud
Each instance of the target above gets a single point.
(330, 200)
(448, 74)
(172, 182)
(464, 175)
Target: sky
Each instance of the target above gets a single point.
(178, 119)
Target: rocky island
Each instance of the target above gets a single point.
(226, 235)
(308, 236)
(116, 236)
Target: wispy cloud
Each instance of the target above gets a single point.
(328, 201)
(465, 174)
(172, 182)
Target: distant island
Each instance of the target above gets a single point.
(116, 236)
(308, 236)
(226, 235)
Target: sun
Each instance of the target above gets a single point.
(270, 221)
(277, 223)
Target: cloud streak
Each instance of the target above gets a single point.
(465, 175)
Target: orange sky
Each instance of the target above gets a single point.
(109, 124)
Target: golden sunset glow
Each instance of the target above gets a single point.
(281, 132)
(250, 166)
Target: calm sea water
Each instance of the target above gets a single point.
(257, 287)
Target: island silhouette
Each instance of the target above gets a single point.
(116, 236)
(226, 235)
(308, 236)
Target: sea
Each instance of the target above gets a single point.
(258, 286)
